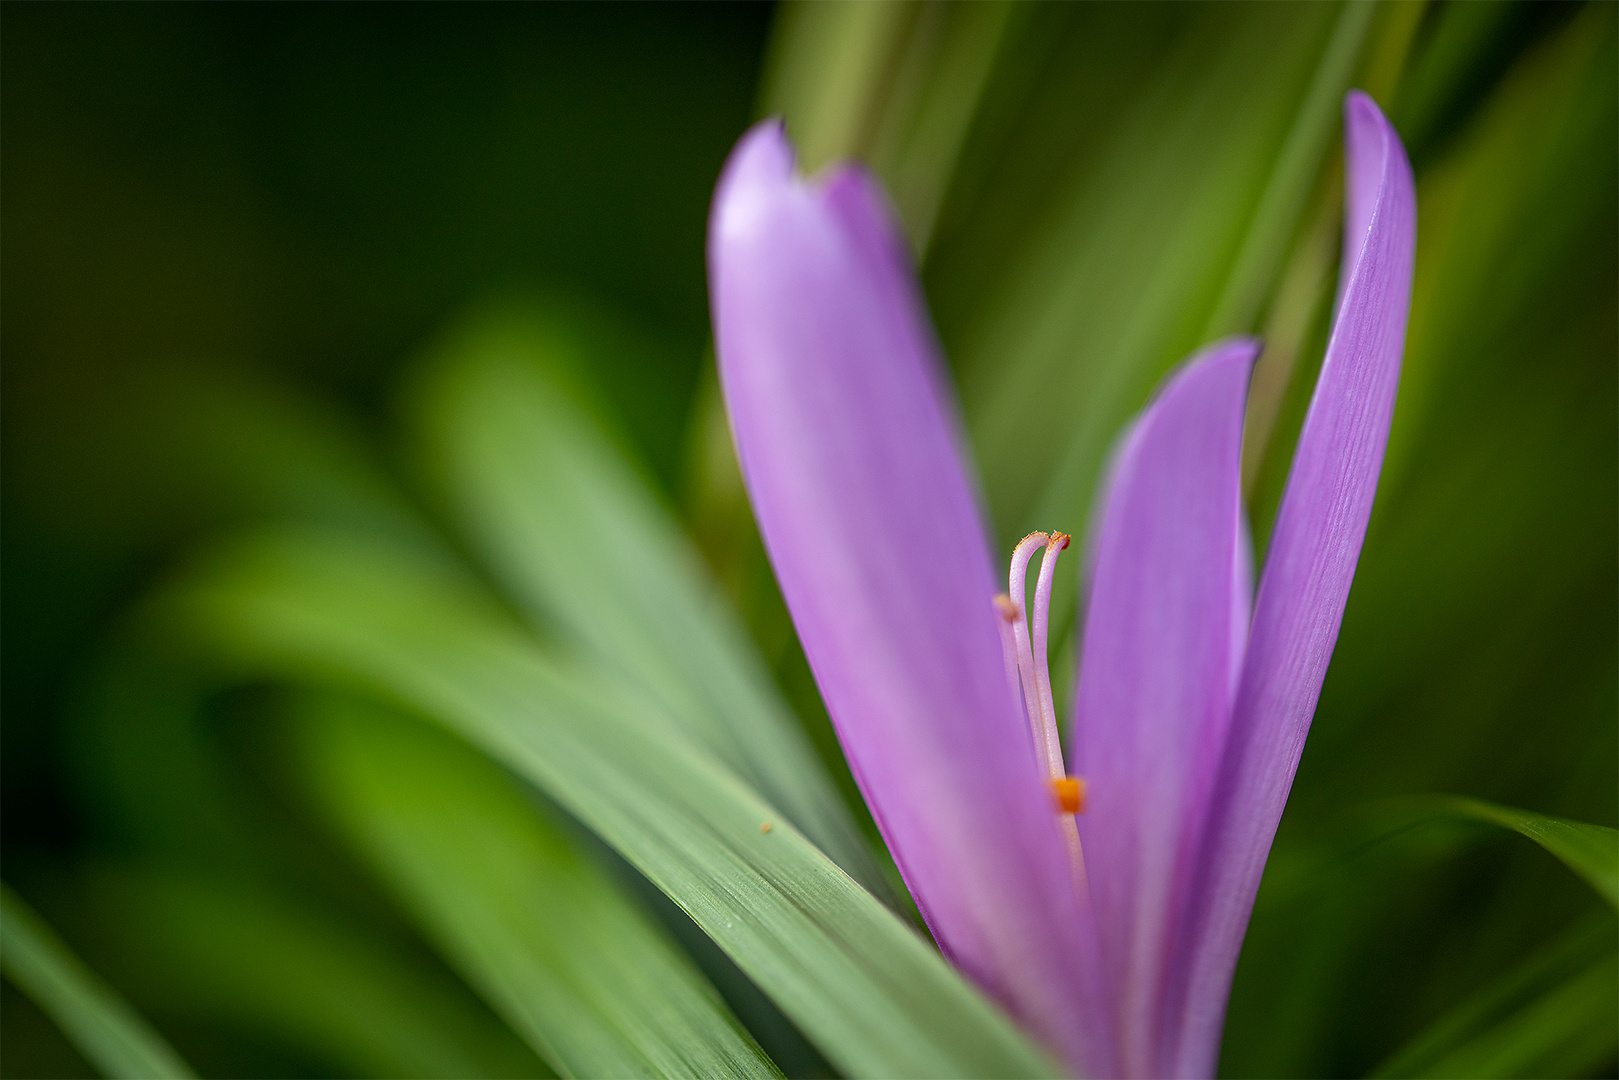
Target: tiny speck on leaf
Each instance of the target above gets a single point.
(765, 826)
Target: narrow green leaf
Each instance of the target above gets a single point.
(1591, 851)
(866, 989)
(1553, 1015)
(547, 938)
(1457, 45)
(103, 1026)
(578, 539)
(909, 82)
(235, 954)
(1296, 167)
(828, 71)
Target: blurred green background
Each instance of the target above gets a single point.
(239, 241)
(303, 198)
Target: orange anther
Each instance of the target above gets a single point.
(1070, 793)
(1005, 607)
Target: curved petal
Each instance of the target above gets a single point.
(1305, 585)
(1163, 633)
(851, 458)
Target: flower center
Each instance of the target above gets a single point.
(1026, 662)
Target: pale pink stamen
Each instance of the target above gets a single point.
(1042, 670)
(1027, 667)
(1027, 677)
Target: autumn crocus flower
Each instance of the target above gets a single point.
(1111, 934)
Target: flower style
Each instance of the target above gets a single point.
(1110, 934)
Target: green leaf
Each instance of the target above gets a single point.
(100, 1022)
(233, 953)
(1591, 851)
(866, 989)
(579, 540)
(1551, 1016)
(547, 938)
(1463, 39)
(1297, 165)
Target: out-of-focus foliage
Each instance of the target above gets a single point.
(248, 978)
(228, 234)
(92, 1014)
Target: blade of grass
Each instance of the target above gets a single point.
(862, 986)
(546, 937)
(98, 1020)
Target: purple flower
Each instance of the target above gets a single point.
(1111, 934)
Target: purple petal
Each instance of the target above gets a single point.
(1163, 634)
(1313, 550)
(852, 461)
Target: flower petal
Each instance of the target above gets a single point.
(1305, 585)
(1163, 633)
(854, 466)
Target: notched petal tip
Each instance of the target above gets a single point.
(761, 166)
(764, 152)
